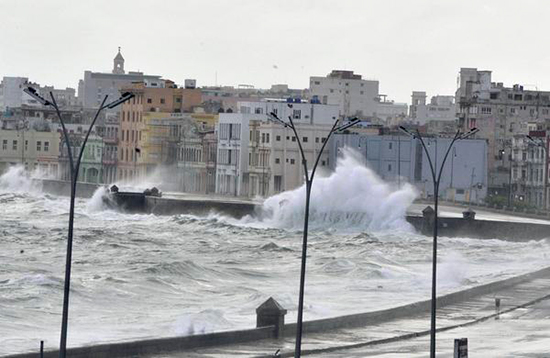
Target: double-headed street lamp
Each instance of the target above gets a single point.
(74, 177)
(309, 181)
(436, 178)
(540, 143)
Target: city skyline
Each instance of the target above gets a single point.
(407, 47)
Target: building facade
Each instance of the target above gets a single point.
(353, 95)
(500, 113)
(399, 159)
(95, 85)
(36, 150)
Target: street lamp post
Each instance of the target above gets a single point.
(309, 183)
(542, 145)
(74, 168)
(436, 178)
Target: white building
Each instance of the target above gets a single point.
(257, 157)
(391, 113)
(274, 159)
(301, 112)
(12, 95)
(440, 108)
(232, 129)
(353, 95)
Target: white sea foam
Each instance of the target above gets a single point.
(17, 180)
(353, 196)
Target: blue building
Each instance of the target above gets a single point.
(400, 158)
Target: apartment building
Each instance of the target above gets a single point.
(353, 95)
(500, 113)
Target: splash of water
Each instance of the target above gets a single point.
(17, 180)
(99, 201)
(353, 196)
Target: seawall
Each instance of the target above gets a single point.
(481, 229)
(373, 318)
(63, 188)
(149, 204)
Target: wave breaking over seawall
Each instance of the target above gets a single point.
(352, 197)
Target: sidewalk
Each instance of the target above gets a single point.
(485, 336)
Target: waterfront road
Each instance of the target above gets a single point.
(521, 332)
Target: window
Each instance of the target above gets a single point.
(287, 137)
(323, 163)
(278, 138)
(494, 95)
(304, 139)
(178, 100)
(26, 145)
(294, 139)
(292, 161)
(38, 146)
(162, 101)
(263, 137)
(512, 110)
(46, 146)
(316, 139)
(277, 160)
(149, 100)
(323, 140)
(267, 137)
(390, 145)
(389, 167)
(486, 110)
(14, 145)
(317, 82)
(296, 114)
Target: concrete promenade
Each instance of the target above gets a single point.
(409, 337)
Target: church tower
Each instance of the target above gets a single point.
(118, 64)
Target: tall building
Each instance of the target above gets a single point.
(95, 85)
(527, 169)
(144, 125)
(500, 113)
(257, 157)
(353, 95)
(438, 113)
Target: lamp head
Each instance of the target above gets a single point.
(125, 97)
(347, 125)
(32, 92)
(405, 130)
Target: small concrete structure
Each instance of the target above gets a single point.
(469, 214)
(271, 313)
(461, 348)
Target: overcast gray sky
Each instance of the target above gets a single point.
(406, 44)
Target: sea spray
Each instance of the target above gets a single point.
(99, 201)
(17, 180)
(352, 197)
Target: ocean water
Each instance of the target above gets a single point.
(145, 276)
